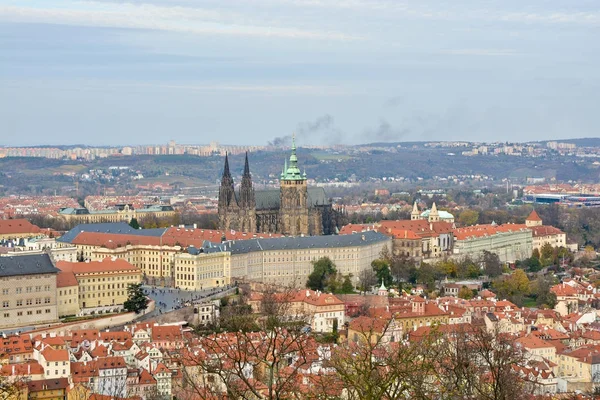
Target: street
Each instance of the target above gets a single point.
(169, 299)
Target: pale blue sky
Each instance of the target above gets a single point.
(247, 71)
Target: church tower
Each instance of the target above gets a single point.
(247, 202)
(293, 212)
(415, 214)
(228, 207)
(434, 216)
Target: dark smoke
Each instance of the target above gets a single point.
(281, 141)
(385, 132)
(320, 131)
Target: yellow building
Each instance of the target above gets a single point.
(418, 312)
(579, 367)
(67, 294)
(102, 284)
(202, 270)
(18, 228)
(125, 213)
(27, 291)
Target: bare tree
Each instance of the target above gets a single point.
(477, 363)
(264, 363)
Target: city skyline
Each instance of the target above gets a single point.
(100, 72)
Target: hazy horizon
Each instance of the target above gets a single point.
(113, 73)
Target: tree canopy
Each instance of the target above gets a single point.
(136, 299)
(323, 271)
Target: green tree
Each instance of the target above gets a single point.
(465, 293)
(540, 289)
(514, 287)
(134, 223)
(323, 270)
(136, 299)
(547, 255)
(468, 217)
(532, 264)
(347, 286)
(382, 271)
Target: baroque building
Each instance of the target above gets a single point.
(295, 209)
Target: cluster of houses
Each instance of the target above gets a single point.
(77, 364)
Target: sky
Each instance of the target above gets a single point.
(332, 71)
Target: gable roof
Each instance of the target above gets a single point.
(16, 226)
(27, 265)
(106, 265)
(533, 216)
(66, 279)
(109, 227)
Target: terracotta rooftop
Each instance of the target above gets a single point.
(533, 216)
(65, 279)
(17, 226)
(107, 265)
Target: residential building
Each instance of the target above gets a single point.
(27, 291)
(51, 389)
(17, 229)
(322, 311)
(374, 330)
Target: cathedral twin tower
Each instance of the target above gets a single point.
(293, 210)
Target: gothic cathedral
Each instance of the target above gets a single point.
(293, 210)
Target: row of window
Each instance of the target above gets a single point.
(28, 289)
(30, 312)
(28, 302)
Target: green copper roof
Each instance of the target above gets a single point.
(292, 172)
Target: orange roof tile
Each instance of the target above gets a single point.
(107, 265)
(65, 279)
(17, 226)
(55, 355)
(533, 216)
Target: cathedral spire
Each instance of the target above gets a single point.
(247, 199)
(226, 173)
(292, 172)
(246, 166)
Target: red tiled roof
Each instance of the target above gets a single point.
(545, 230)
(55, 355)
(476, 231)
(367, 324)
(66, 279)
(357, 228)
(17, 226)
(111, 362)
(29, 368)
(166, 333)
(107, 265)
(47, 384)
(533, 216)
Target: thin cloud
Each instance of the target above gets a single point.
(481, 52)
(173, 19)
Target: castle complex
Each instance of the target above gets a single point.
(293, 210)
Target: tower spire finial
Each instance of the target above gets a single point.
(226, 172)
(246, 166)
